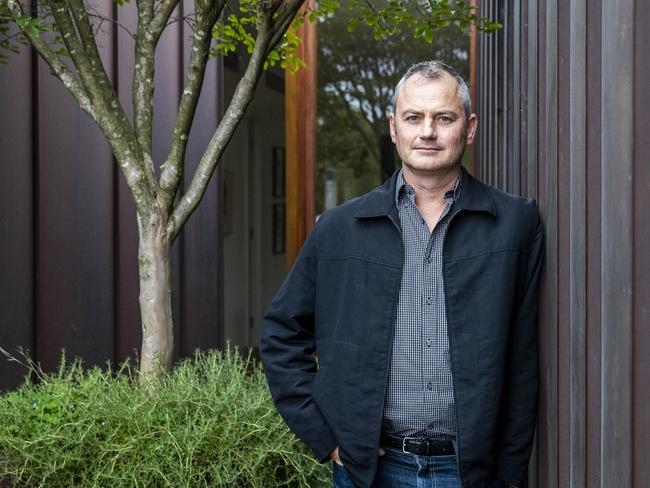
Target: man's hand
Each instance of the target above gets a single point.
(335, 455)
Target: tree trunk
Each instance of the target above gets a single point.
(155, 299)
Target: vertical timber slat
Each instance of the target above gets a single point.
(578, 240)
(548, 432)
(532, 112)
(300, 122)
(17, 197)
(594, 243)
(617, 148)
(641, 412)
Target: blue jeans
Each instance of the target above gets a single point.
(399, 470)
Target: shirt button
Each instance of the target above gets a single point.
(428, 301)
(428, 342)
(429, 386)
(429, 260)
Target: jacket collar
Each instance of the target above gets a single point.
(474, 196)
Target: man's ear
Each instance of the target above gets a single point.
(472, 123)
(391, 125)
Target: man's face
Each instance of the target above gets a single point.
(429, 127)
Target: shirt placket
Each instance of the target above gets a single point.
(430, 289)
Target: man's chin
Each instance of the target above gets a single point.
(428, 166)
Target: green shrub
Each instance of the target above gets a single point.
(210, 423)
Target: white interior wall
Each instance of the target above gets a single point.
(252, 273)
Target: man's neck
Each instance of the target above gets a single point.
(430, 188)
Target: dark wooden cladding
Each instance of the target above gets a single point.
(68, 251)
(201, 277)
(594, 240)
(577, 257)
(75, 229)
(575, 102)
(17, 210)
(641, 258)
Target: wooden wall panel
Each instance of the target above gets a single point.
(577, 191)
(548, 184)
(75, 226)
(202, 311)
(641, 243)
(617, 146)
(594, 239)
(590, 105)
(16, 214)
(564, 232)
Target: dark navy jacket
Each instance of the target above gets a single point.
(339, 301)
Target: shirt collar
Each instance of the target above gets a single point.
(402, 187)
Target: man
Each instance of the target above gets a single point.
(419, 301)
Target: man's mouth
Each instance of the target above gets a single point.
(430, 149)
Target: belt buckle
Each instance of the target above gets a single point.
(404, 444)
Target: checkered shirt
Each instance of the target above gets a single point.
(420, 398)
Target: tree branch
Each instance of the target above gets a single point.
(143, 78)
(161, 16)
(240, 100)
(285, 15)
(172, 169)
(145, 10)
(151, 24)
(94, 14)
(59, 69)
(75, 48)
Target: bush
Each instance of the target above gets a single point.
(211, 422)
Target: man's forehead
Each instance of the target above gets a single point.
(443, 84)
(421, 91)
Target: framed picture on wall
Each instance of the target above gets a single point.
(278, 171)
(279, 212)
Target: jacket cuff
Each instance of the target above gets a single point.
(322, 452)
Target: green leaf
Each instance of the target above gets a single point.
(23, 20)
(32, 31)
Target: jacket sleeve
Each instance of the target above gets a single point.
(519, 410)
(287, 345)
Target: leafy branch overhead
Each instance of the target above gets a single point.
(423, 18)
(237, 24)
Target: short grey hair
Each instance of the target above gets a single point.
(433, 70)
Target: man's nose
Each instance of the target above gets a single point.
(428, 129)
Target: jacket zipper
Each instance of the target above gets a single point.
(451, 356)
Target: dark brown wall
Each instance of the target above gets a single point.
(564, 87)
(68, 241)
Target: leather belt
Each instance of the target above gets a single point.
(418, 445)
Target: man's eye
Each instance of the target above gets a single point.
(411, 118)
(444, 119)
